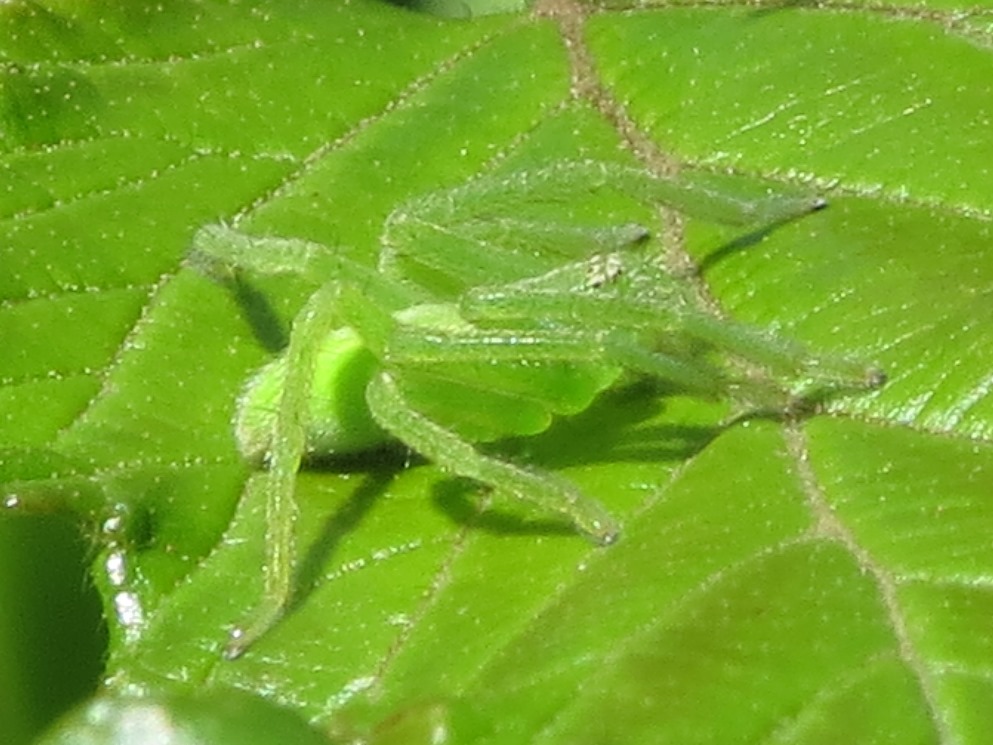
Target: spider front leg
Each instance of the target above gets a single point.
(487, 230)
(454, 454)
(221, 252)
(286, 447)
(796, 377)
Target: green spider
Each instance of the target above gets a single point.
(486, 320)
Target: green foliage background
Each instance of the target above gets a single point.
(821, 582)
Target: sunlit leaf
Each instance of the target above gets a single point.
(820, 581)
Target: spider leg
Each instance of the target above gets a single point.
(814, 376)
(219, 251)
(480, 232)
(564, 182)
(783, 355)
(454, 454)
(509, 346)
(479, 250)
(313, 322)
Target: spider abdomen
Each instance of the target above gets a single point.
(337, 421)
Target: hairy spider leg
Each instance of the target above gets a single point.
(692, 193)
(286, 450)
(508, 346)
(219, 250)
(452, 453)
(488, 251)
(490, 214)
(662, 314)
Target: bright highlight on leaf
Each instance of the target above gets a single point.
(535, 318)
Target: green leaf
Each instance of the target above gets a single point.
(219, 718)
(819, 581)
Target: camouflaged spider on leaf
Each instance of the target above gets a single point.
(486, 319)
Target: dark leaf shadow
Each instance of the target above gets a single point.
(606, 432)
(338, 525)
(611, 430)
(747, 240)
(258, 313)
(460, 500)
